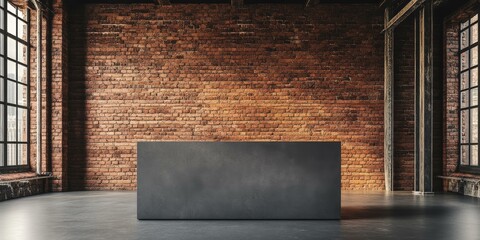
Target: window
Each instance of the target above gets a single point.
(14, 87)
(469, 94)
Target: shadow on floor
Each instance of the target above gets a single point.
(397, 211)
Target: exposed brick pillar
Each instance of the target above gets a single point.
(59, 96)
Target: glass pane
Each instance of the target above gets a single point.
(474, 155)
(464, 60)
(474, 74)
(474, 18)
(464, 39)
(1, 43)
(22, 13)
(1, 93)
(474, 33)
(11, 8)
(1, 3)
(11, 24)
(474, 56)
(22, 95)
(473, 96)
(464, 155)
(11, 154)
(22, 53)
(2, 25)
(22, 125)
(464, 24)
(11, 48)
(1, 155)
(11, 92)
(11, 70)
(1, 66)
(464, 99)
(464, 126)
(1, 122)
(22, 30)
(22, 154)
(22, 73)
(464, 80)
(11, 124)
(474, 126)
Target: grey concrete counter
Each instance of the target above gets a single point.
(238, 180)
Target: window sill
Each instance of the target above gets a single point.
(465, 175)
(7, 177)
(462, 183)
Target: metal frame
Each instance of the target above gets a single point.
(17, 82)
(468, 168)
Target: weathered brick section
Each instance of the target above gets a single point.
(404, 106)
(451, 93)
(54, 94)
(59, 97)
(212, 72)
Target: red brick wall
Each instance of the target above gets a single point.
(214, 73)
(58, 130)
(54, 94)
(451, 97)
(404, 105)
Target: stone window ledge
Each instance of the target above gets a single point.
(462, 177)
(23, 176)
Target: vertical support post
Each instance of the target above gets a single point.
(424, 99)
(388, 105)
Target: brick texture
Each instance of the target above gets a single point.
(54, 93)
(215, 73)
(58, 130)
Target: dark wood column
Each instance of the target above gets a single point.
(423, 98)
(388, 105)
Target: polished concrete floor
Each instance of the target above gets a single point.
(112, 215)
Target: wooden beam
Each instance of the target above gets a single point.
(388, 105)
(424, 99)
(237, 3)
(404, 13)
(385, 3)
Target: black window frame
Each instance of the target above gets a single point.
(468, 168)
(18, 167)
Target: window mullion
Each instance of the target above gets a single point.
(478, 93)
(16, 88)
(5, 92)
(28, 87)
(468, 92)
